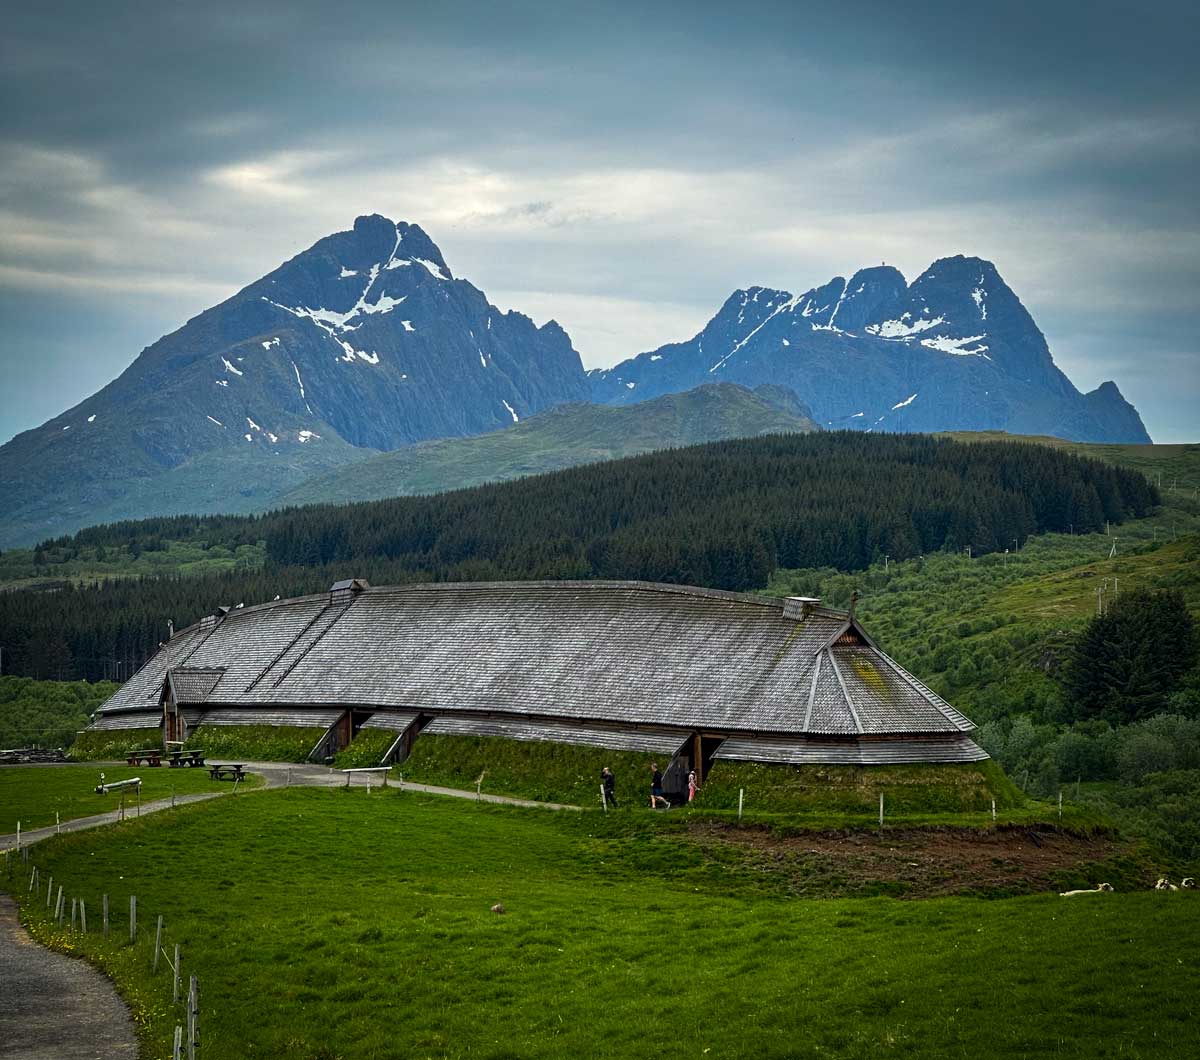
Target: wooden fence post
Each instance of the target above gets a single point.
(57, 823)
(104, 913)
(175, 977)
(603, 799)
(133, 918)
(49, 891)
(32, 877)
(177, 1051)
(193, 1017)
(157, 942)
(741, 793)
(83, 916)
(993, 809)
(58, 909)
(881, 809)
(74, 903)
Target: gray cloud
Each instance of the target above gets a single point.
(617, 168)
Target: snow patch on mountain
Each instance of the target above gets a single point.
(434, 268)
(898, 329)
(958, 346)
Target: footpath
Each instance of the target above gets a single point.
(54, 1007)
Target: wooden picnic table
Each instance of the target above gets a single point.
(185, 758)
(229, 771)
(150, 757)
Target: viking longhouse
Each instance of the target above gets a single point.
(690, 674)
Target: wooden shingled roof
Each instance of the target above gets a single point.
(625, 653)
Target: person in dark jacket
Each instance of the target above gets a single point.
(610, 786)
(656, 788)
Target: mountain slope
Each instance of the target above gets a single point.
(563, 437)
(364, 342)
(954, 350)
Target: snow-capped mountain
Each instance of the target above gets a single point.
(364, 342)
(954, 350)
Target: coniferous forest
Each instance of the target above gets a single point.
(724, 515)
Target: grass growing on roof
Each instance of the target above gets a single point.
(529, 769)
(256, 743)
(105, 745)
(608, 945)
(31, 794)
(855, 790)
(366, 749)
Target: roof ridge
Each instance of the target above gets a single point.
(667, 588)
(837, 672)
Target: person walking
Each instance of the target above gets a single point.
(656, 788)
(610, 786)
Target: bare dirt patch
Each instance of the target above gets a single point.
(933, 862)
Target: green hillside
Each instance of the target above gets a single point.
(562, 437)
(723, 514)
(994, 634)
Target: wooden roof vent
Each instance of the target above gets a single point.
(800, 607)
(342, 592)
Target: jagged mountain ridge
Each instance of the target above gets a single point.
(953, 350)
(362, 343)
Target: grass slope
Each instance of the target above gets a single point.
(527, 769)
(105, 745)
(853, 791)
(559, 438)
(328, 924)
(255, 743)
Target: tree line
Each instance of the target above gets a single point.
(724, 515)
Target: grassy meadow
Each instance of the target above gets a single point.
(335, 924)
(32, 794)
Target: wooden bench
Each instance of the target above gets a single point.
(227, 772)
(185, 758)
(151, 758)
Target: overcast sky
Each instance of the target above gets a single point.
(619, 168)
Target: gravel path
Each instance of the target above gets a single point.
(54, 1007)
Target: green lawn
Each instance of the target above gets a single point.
(31, 794)
(327, 924)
